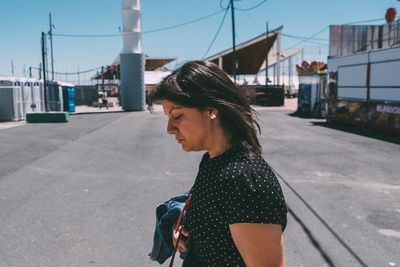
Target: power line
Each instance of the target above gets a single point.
(184, 24)
(308, 38)
(72, 73)
(323, 39)
(216, 34)
(144, 32)
(242, 9)
(315, 34)
(253, 7)
(221, 6)
(87, 35)
(356, 22)
(311, 41)
(303, 37)
(364, 21)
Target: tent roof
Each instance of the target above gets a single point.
(154, 77)
(249, 55)
(285, 53)
(151, 64)
(155, 63)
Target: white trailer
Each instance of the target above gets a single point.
(364, 89)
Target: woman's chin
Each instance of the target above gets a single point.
(186, 148)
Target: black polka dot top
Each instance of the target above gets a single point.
(234, 187)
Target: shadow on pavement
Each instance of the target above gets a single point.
(367, 132)
(301, 115)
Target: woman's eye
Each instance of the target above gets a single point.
(177, 117)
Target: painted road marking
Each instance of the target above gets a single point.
(389, 232)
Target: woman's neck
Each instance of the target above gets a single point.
(221, 142)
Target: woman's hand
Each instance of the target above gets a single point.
(184, 239)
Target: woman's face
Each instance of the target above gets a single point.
(191, 127)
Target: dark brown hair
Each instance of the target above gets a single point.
(201, 84)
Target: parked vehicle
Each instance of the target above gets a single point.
(291, 91)
(364, 89)
(273, 95)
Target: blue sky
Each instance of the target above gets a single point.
(23, 21)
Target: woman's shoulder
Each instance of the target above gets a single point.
(252, 193)
(248, 175)
(248, 164)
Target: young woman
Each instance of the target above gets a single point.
(237, 214)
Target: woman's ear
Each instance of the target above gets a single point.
(213, 113)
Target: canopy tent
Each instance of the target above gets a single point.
(284, 53)
(112, 72)
(249, 55)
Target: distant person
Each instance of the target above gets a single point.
(237, 213)
(104, 101)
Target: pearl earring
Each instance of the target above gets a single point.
(213, 116)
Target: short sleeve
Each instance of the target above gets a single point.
(253, 195)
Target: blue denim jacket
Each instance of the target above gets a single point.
(167, 215)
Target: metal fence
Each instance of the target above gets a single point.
(350, 39)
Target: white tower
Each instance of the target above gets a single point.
(131, 58)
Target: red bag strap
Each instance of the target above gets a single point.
(178, 224)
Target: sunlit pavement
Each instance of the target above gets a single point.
(290, 105)
(89, 109)
(84, 193)
(10, 124)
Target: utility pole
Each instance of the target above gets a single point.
(102, 79)
(40, 71)
(278, 59)
(12, 68)
(44, 55)
(51, 47)
(233, 40)
(266, 57)
(79, 81)
(30, 72)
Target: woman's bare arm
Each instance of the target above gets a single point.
(259, 244)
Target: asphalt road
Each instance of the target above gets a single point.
(84, 193)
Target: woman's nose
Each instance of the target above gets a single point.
(170, 127)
